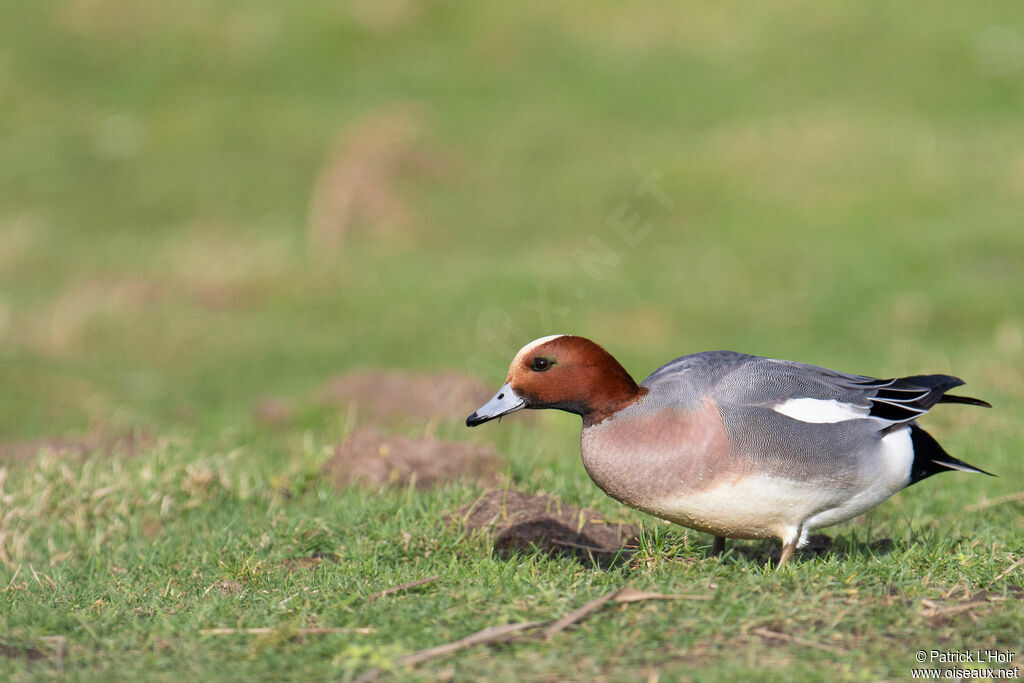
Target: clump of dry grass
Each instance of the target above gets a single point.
(55, 503)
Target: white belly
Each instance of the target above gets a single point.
(758, 505)
(755, 506)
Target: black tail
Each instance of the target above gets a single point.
(968, 400)
(937, 385)
(930, 458)
(907, 398)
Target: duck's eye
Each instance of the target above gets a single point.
(540, 364)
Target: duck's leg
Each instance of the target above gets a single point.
(717, 546)
(787, 552)
(789, 543)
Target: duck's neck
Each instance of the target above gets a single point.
(611, 390)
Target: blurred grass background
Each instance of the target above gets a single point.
(847, 186)
(212, 202)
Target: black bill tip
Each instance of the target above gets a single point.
(474, 420)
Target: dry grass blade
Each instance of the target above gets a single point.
(4, 557)
(495, 634)
(491, 634)
(60, 645)
(35, 575)
(265, 630)
(578, 614)
(932, 609)
(778, 635)
(13, 577)
(1017, 497)
(623, 595)
(631, 595)
(580, 546)
(1009, 570)
(403, 587)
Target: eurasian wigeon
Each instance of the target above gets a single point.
(735, 445)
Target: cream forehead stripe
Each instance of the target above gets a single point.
(526, 350)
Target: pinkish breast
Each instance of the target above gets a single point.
(644, 459)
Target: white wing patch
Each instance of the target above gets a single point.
(819, 411)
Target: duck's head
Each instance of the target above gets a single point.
(565, 372)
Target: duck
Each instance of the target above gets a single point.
(736, 445)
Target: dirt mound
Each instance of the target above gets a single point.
(379, 460)
(362, 179)
(391, 395)
(61, 327)
(522, 521)
(77, 446)
(273, 411)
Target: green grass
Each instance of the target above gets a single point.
(845, 183)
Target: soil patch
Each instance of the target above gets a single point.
(21, 651)
(522, 521)
(229, 587)
(818, 545)
(380, 460)
(308, 563)
(273, 411)
(391, 395)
